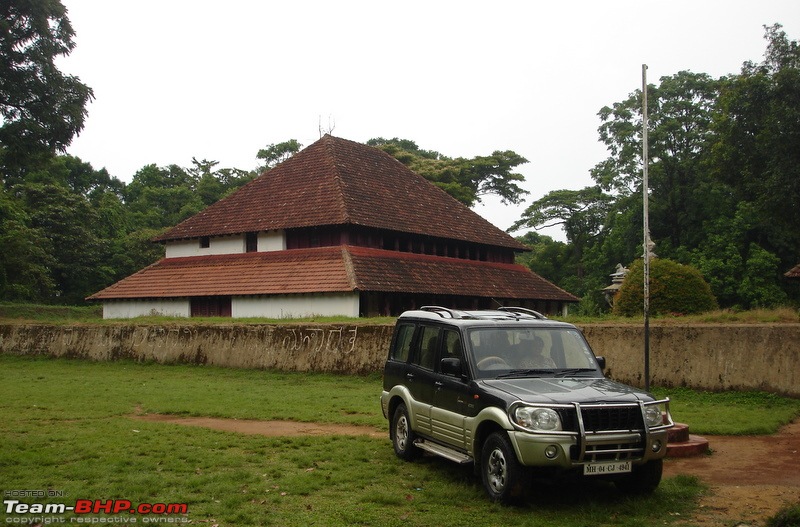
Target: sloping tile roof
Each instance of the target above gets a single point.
(387, 271)
(330, 270)
(794, 272)
(335, 181)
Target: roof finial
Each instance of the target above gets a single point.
(329, 129)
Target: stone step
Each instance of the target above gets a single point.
(694, 446)
(680, 443)
(679, 433)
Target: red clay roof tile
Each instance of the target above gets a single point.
(328, 270)
(335, 181)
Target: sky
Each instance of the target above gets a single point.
(219, 80)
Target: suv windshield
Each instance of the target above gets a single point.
(504, 352)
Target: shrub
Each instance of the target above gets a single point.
(788, 517)
(674, 288)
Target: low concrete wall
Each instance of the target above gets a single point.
(329, 348)
(711, 357)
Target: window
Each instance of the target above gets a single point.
(251, 242)
(428, 343)
(205, 242)
(402, 343)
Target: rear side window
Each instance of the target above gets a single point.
(401, 348)
(428, 344)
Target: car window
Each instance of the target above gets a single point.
(426, 347)
(401, 348)
(453, 349)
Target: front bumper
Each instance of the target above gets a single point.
(570, 451)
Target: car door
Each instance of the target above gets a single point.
(420, 377)
(451, 397)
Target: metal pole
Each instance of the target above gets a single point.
(646, 233)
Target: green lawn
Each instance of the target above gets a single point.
(66, 426)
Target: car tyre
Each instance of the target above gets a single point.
(643, 479)
(403, 436)
(505, 479)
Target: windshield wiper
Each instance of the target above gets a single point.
(566, 372)
(523, 372)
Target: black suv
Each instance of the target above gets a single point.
(510, 392)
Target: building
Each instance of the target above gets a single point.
(340, 228)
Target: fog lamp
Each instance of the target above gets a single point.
(551, 452)
(656, 446)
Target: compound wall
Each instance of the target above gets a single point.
(713, 357)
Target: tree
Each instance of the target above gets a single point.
(550, 259)
(159, 197)
(582, 213)
(25, 259)
(273, 154)
(680, 111)
(69, 223)
(467, 180)
(42, 109)
(757, 154)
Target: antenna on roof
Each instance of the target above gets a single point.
(329, 129)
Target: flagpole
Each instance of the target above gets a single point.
(646, 233)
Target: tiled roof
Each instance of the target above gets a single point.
(794, 272)
(387, 271)
(328, 270)
(335, 181)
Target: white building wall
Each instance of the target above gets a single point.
(295, 306)
(178, 307)
(267, 241)
(272, 241)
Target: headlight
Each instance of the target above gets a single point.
(537, 418)
(652, 414)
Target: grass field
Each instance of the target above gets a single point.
(67, 427)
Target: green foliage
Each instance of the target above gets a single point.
(789, 516)
(740, 273)
(42, 109)
(467, 180)
(674, 288)
(274, 154)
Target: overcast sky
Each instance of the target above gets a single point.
(176, 79)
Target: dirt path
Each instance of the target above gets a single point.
(751, 478)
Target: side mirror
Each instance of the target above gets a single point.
(601, 361)
(451, 366)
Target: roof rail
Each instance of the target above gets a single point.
(441, 311)
(522, 310)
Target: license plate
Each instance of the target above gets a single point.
(598, 469)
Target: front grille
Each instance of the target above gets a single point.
(614, 418)
(603, 418)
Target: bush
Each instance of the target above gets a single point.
(788, 517)
(674, 288)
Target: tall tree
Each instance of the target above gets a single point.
(25, 260)
(582, 214)
(42, 109)
(757, 154)
(680, 111)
